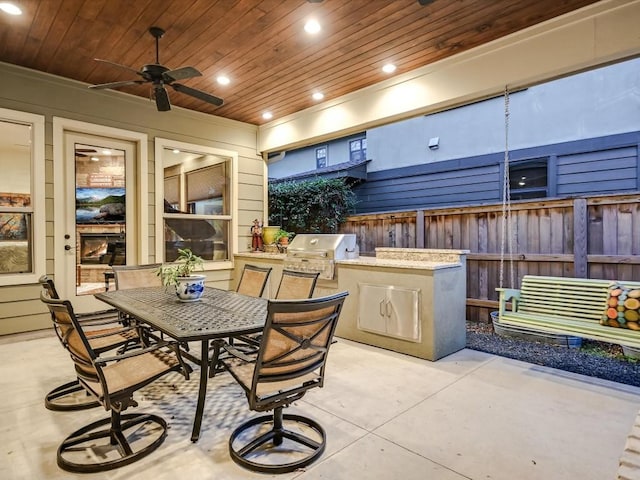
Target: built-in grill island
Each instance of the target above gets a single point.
(409, 300)
(310, 252)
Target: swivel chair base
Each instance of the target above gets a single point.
(69, 397)
(79, 451)
(265, 445)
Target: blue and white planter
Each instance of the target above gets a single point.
(189, 289)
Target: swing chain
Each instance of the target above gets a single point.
(506, 199)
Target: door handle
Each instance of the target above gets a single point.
(67, 247)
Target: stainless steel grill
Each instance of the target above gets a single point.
(310, 252)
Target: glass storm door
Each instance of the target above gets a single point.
(99, 215)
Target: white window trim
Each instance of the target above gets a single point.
(160, 145)
(38, 241)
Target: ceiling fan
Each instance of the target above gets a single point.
(160, 76)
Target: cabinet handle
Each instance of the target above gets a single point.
(388, 308)
(382, 310)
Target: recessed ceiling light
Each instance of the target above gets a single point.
(317, 96)
(267, 115)
(106, 152)
(389, 68)
(312, 26)
(223, 80)
(94, 159)
(176, 151)
(10, 8)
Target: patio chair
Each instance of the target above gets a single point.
(99, 317)
(112, 381)
(70, 396)
(290, 361)
(137, 276)
(253, 280)
(296, 285)
(293, 286)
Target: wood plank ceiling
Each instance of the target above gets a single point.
(273, 64)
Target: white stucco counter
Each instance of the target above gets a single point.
(411, 301)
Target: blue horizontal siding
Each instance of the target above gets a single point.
(593, 166)
(471, 185)
(605, 171)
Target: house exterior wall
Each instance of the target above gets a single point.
(597, 166)
(585, 125)
(596, 103)
(33, 92)
(304, 160)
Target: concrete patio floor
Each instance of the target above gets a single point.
(470, 415)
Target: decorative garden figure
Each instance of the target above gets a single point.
(256, 236)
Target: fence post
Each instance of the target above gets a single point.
(419, 228)
(580, 234)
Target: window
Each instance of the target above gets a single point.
(358, 150)
(22, 227)
(196, 199)
(528, 179)
(321, 157)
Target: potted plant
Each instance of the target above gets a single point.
(189, 287)
(282, 237)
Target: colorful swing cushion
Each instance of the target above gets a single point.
(623, 307)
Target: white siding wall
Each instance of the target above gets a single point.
(33, 92)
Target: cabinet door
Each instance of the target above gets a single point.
(403, 319)
(372, 308)
(390, 311)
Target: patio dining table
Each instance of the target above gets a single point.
(218, 314)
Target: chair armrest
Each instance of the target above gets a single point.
(102, 361)
(232, 350)
(120, 330)
(102, 317)
(507, 294)
(174, 346)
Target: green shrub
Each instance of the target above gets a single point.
(312, 206)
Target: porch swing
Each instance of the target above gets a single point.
(506, 249)
(561, 310)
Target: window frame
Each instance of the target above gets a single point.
(37, 209)
(361, 150)
(325, 157)
(232, 216)
(536, 191)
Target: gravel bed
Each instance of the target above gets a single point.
(609, 365)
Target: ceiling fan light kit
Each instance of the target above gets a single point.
(160, 76)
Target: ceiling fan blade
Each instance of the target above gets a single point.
(199, 94)
(181, 74)
(116, 84)
(118, 65)
(162, 99)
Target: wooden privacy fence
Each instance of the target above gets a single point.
(588, 237)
